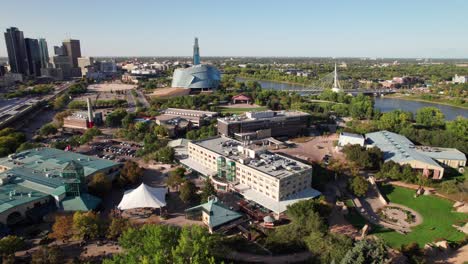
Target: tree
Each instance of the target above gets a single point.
(10, 140)
(188, 191)
(329, 247)
(28, 145)
(207, 191)
(61, 101)
(364, 158)
(179, 171)
(430, 117)
(414, 253)
(86, 225)
(115, 118)
(47, 129)
(63, 227)
(47, 255)
(394, 120)
(174, 180)
(164, 154)
(117, 226)
(366, 251)
(164, 244)
(10, 244)
(359, 186)
(361, 107)
(100, 184)
(59, 117)
(458, 127)
(130, 173)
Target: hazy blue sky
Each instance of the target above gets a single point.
(371, 28)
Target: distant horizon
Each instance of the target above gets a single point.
(279, 57)
(337, 28)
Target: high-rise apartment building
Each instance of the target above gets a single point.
(16, 49)
(33, 56)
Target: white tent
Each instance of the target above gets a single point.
(143, 197)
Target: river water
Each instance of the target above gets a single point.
(385, 104)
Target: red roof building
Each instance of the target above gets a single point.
(241, 98)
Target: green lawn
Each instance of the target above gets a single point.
(240, 110)
(437, 214)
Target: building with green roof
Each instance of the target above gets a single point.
(37, 181)
(213, 214)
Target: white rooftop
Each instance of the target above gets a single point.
(273, 205)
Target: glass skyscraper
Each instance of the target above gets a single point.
(44, 53)
(16, 49)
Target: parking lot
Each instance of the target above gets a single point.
(111, 149)
(314, 149)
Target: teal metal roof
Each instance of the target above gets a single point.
(85, 202)
(52, 161)
(219, 214)
(19, 195)
(38, 171)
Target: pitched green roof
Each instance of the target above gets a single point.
(22, 195)
(73, 165)
(219, 214)
(85, 202)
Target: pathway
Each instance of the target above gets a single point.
(459, 256)
(252, 258)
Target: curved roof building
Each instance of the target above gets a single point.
(198, 77)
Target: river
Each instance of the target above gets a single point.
(385, 104)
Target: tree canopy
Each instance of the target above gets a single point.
(168, 244)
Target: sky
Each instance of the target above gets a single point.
(309, 28)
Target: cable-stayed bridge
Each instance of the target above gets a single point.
(331, 81)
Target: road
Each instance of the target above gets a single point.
(131, 102)
(142, 99)
(12, 110)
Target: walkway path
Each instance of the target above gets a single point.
(252, 258)
(459, 256)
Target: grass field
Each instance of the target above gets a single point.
(234, 110)
(437, 214)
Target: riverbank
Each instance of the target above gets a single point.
(416, 99)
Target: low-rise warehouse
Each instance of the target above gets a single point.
(430, 160)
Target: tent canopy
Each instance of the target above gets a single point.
(143, 197)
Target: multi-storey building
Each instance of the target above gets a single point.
(33, 54)
(263, 124)
(44, 53)
(271, 180)
(16, 49)
(197, 117)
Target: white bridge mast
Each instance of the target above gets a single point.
(336, 85)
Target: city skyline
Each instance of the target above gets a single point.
(419, 29)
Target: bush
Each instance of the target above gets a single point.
(48, 129)
(359, 186)
(100, 185)
(10, 244)
(130, 173)
(62, 227)
(87, 225)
